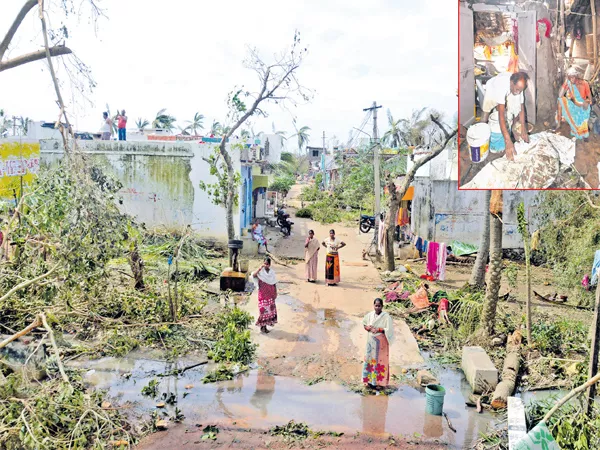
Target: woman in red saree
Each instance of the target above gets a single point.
(380, 326)
(267, 293)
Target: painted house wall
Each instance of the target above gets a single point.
(161, 181)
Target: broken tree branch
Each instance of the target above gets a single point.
(57, 50)
(36, 323)
(28, 6)
(55, 347)
(24, 284)
(61, 103)
(570, 395)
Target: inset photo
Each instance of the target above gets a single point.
(529, 92)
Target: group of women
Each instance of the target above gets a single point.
(377, 323)
(332, 260)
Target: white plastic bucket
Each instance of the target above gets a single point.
(478, 137)
(496, 138)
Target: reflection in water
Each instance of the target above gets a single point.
(265, 388)
(432, 426)
(374, 412)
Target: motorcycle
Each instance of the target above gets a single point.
(366, 223)
(284, 222)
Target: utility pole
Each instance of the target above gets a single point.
(377, 211)
(324, 142)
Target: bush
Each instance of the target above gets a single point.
(326, 211)
(234, 346)
(305, 213)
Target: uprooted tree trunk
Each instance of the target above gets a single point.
(478, 273)
(510, 370)
(395, 195)
(488, 314)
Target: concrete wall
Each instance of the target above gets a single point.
(442, 213)
(160, 181)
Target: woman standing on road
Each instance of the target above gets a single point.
(267, 293)
(332, 261)
(311, 256)
(380, 326)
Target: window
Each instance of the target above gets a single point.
(315, 153)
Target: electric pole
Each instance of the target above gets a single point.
(324, 143)
(377, 211)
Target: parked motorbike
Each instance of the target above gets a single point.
(282, 217)
(366, 223)
(284, 222)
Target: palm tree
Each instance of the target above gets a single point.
(488, 314)
(392, 136)
(163, 120)
(196, 124)
(303, 136)
(183, 130)
(141, 124)
(478, 273)
(216, 128)
(412, 131)
(281, 134)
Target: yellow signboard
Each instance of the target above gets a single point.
(19, 164)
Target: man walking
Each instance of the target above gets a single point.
(122, 125)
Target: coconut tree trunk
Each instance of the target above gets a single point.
(488, 315)
(478, 272)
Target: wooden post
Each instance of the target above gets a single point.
(593, 369)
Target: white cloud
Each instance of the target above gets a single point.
(186, 55)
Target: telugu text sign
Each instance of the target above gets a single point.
(19, 163)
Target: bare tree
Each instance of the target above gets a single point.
(395, 195)
(478, 273)
(278, 84)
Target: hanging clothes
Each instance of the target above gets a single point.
(381, 236)
(513, 62)
(436, 260)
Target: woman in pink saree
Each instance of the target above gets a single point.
(267, 293)
(311, 257)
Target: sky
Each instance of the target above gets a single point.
(187, 55)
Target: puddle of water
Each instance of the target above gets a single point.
(259, 400)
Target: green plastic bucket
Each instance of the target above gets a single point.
(434, 394)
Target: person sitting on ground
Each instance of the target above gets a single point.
(504, 93)
(258, 236)
(574, 101)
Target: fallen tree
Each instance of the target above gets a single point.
(510, 370)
